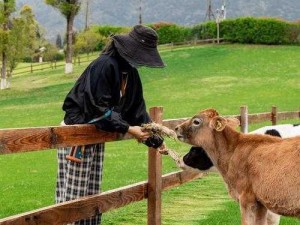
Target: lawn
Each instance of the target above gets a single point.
(223, 77)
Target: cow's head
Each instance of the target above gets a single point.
(197, 159)
(201, 127)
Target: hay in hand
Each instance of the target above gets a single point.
(158, 129)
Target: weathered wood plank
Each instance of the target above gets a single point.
(86, 207)
(175, 179)
(172, 123)
(154, 176)
(80, 208)
(259, 118)
(31, 139)
(288, 115)
(244, 119)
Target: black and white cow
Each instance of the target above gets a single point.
(198, 159)
(282, 130)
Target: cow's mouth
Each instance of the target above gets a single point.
(180, 137)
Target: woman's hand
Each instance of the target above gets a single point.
(138, 133)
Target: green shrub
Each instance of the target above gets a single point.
(293, 33)
(59, 56)
(107, 31)
(259, 31)
(27, 59)
(172, 33)
(51, 53)
(206, 30)
(251, 31)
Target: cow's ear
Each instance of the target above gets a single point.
(218, 123)
(233, 122)
(210, 113)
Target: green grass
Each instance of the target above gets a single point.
(223, 77)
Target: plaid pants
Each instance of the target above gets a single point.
(75, 180)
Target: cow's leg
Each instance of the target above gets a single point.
(247, 215)
(261, 213)
(252, 212)
(272, 218)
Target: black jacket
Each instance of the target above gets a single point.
(98, 90)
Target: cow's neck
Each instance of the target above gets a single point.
(222, 148)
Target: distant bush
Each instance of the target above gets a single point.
(255, 30)
(51, 54)
(107, 31)
(59, 56)
(248, 30)
(293, 33)
(206, 30)
(88, 41)
(169, 32)
(27, 59)
(251, 30)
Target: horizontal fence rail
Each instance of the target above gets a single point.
(32, 139)
(42, 138)
(89, 206)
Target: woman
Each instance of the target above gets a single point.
(108, 94)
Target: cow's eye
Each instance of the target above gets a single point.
(197, 121)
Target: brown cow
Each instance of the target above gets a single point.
(262, 172)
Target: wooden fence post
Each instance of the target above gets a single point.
(274, 115)
(154, 176)
(244, 119)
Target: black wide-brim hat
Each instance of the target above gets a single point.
(139, 47)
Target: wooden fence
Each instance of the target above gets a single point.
(87, 58)
(33, 67)
(41, 138)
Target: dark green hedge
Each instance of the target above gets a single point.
(206, 30)
(106, 31)
(251, 31)
(248, 30)
(169, 32)
(256, 31)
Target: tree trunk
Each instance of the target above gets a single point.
(69, 53)
(4, 56)
(3, 71)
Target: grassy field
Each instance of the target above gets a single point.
(223, 77)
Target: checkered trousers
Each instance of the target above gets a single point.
(75, 180)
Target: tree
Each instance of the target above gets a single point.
(58, 42)
(69, 9)
(7, 7)
(23, 39)
(33, 33)
(87, 41)
(18, 37)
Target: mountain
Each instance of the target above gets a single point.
(184, 12)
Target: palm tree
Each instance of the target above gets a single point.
(69, 9)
